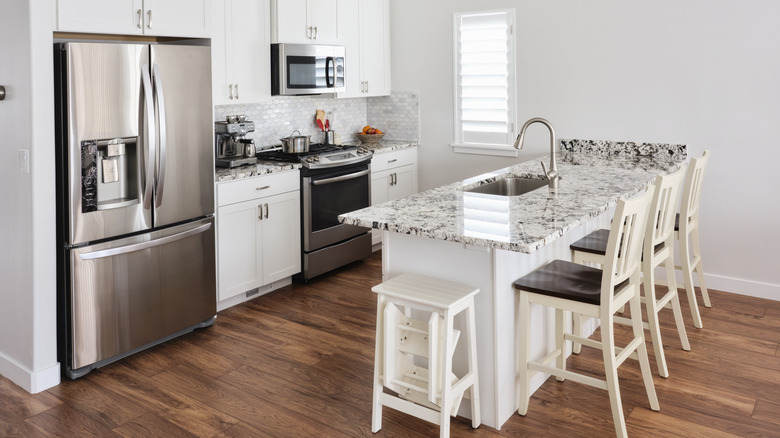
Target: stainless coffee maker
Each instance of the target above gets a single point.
(232, 148)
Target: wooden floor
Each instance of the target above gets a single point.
(299, 362)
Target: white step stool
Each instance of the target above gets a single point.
(413, 357)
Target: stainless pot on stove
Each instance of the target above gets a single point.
(296, 144)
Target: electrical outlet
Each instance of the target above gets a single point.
(23, 160)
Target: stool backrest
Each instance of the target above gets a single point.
(624, 246)
(689, 207)
(663, 210)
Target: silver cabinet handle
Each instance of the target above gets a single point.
(315, 32)
(263, 188)
(149, 21)
(140, 18)
(366, 86)
(393, 160)
(266, 210)
(230, 91)
(2, 92)
(308, 35)
(236, 91)
(261, 211)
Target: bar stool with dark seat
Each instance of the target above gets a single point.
(687, 235)
(593, 292)
(658, 249)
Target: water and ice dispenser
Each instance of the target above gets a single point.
(109, 173)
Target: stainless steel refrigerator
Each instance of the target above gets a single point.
(135, 199)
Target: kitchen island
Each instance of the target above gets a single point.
(488, 241)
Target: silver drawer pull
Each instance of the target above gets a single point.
(263, 188)
(393, 160)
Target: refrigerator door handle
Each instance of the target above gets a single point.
(160, 108)
(150, 141)
(143, 245)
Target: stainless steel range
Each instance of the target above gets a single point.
(335, 179)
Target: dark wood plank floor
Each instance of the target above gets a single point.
(298, 363)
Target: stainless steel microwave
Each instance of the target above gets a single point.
(306, 69)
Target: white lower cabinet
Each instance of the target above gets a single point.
(393, 176)
(258, 232)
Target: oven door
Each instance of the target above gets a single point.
(328, 193)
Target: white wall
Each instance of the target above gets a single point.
(701, 72)
(27, 236)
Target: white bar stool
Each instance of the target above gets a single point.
(413, 358)
(687, 234)
(658, 249)
(569, 286)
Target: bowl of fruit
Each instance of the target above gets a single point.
(370, 135)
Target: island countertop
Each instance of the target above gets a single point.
(593, 176)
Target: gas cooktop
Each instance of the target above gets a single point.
(319, 155)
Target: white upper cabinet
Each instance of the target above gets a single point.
(240, 51)
(304, 21)
(364, 27)
(176, 18)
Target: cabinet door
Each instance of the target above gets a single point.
(100, 16)
(380, 187)
(281, 244)
(323, 16)
(349, 36)
(401, 182)
(220, 52)
(239, 254)
(374, 47)
(250, 64)
(290, 21)
(179, 18)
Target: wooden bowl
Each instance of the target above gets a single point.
(369, 138)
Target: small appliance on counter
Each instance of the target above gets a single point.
(232, 148)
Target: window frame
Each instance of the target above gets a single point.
(485, 148)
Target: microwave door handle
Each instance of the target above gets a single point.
(329, 82)
(160, 109)
(335, 179)
(150, 148)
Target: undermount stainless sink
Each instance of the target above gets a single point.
(510, 186)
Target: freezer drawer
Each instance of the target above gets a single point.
(131, 292)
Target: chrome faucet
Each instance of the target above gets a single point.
(552, 174)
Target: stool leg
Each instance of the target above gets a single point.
(376, 415)
(476, 413)
(678, 318)
(560, 344)
(687, 271)
(641, 352)
(523, 323)
(576, 323)
(698, 266)
(652, 318)
(446, 383)
(610, 368)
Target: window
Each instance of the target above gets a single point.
(484, 82)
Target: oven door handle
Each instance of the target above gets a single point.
(335, 179)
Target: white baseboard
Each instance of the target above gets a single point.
(737, 286)
(31, 381)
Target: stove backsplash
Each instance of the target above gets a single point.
(398, 115)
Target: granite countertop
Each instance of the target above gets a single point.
(266, 167)
(593, 176)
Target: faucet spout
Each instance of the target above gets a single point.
(552, 173)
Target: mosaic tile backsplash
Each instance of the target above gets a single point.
(397, 115)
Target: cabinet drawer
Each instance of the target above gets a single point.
(389, 160)
(257, 187)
